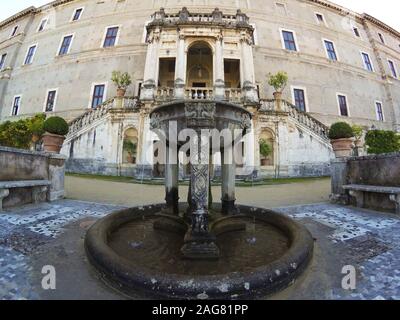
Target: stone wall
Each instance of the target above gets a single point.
(373, 170)
(378, 170)
(21, 165)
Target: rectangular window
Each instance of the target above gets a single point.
(289, 40)
(98, 95)
(65, 45)
(392, 68)
(42, 25)
(14, 31)
(381, 38)
(3, 60)
(51, 100)
(16, 105)
(77, 14)
(299, 99)
(343, 106)
(330, 50)
(320, 18)
(30, 55)
(111, 37)
(367, 62)
(356, 32)
(379, 112)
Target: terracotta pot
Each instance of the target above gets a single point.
(121, 93)
(359, 144)
(52, 142)
(264, 162)
(35, 138)
(342, 147)
(278, 95)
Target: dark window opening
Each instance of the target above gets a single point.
(299, 99)
(98, 95)
(330, 49)
(50, 102)
(77, 14)
(111, 37)
(66, 43)
(16, 104)
(290, 43)
(343, 106)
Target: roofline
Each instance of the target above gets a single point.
(363, 17)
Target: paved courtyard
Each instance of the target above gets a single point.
(52, 234)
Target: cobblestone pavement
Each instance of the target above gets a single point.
(25, 230)
(345, 236)
(365, 239)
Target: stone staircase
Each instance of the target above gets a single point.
(95, 116)
(302, 119)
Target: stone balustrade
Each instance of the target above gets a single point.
(215, 17)
(165, 94)
(199, 93)
(273, 105)
(99, 112)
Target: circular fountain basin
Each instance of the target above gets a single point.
(262, 252)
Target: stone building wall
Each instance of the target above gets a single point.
(297, 151)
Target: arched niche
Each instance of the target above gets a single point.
(267, 136)
(200, 65)
(130, 145)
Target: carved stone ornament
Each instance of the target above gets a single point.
(200, 114)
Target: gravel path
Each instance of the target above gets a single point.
(129, 194)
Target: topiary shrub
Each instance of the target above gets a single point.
(340, 130)
(56, 125)
(381, 141)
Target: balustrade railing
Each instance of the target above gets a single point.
(199, 93)
(233, 95)
(302, 117)
(191, 17)
(100, 111)
(164, 94)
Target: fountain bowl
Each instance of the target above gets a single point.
(138, 279)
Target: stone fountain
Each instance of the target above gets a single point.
(198, 249)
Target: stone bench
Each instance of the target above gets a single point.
(39, 189)
(357, 191)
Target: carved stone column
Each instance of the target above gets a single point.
(247, 61)
(219, 85)
(172, 170)
(180, 68)
(228, 182)
(151, 67)
(199, 243)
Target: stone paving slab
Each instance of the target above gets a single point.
(366, 239)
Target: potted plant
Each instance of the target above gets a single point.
(265, 151)
(122, 81)
(278, 81)
(341, 135)
(130, 148)
(35, 126)
(56, 129)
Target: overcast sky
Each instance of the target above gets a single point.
(385, 10)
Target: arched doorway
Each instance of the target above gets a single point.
(200, 69)
(129, 154)
(267, 150)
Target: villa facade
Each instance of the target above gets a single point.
(58, 59)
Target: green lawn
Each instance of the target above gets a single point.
(161, 182)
